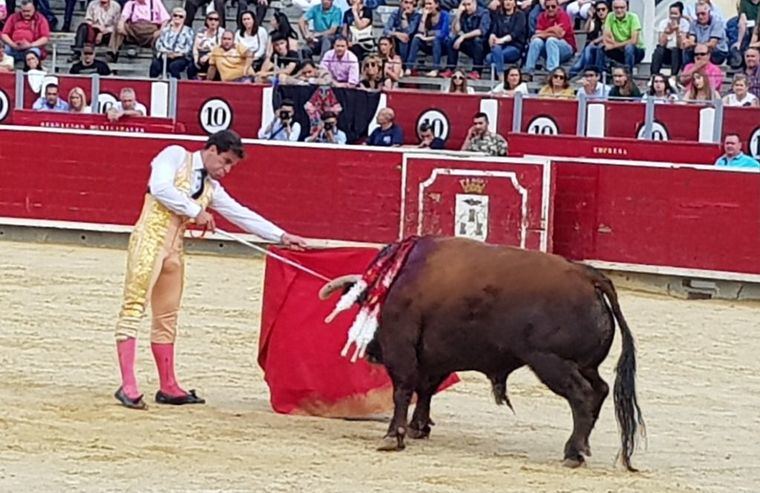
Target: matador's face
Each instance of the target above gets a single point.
(219, 164)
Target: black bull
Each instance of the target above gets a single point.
(459, 305)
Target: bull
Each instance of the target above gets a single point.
(460, 305)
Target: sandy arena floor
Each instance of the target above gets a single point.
(60, 428)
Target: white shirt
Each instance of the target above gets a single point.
(256, 44)
(748, 100)
(138, 107)
(683, 27)
(522, 87)
(164, 168)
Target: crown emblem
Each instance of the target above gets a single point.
(473, 185)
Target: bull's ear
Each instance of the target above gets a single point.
(343, 282)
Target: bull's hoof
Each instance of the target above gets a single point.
(419, 434)
(391, 444)
(574, 462)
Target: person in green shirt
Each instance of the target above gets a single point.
(622, 37)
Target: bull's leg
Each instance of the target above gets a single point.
(420, 425)
(601, 390)
(564, 378)
(402, 395)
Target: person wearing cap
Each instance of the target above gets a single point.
(183, 184)
(592, 87)
(88, 65)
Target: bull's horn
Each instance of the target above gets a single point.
(336, 284)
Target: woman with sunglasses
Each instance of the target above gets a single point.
(507, 36)
(253, 36)
(622, 85)
(557, 85)
(431, 37)
(660, 90)
(174, 46)
(512, 83)
(594, 29)
(458, 83)
(392, 65)
(372, 77)
(206, 40)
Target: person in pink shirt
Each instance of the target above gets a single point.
(554, 38)
(140, 23)
(26, 30)
(342, 64)
(702, 64)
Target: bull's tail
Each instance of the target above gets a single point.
(627, 411)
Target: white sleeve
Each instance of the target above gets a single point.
(263, 42)
(161, 184)
(243, 217)
(295, 132)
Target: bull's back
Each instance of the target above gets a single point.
(480, 301)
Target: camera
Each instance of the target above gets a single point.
(285, 115)
(329, 126)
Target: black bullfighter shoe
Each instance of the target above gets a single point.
(189, 398)
(125, 401)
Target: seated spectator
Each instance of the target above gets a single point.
(660, 90)
(7, 63)
(740, 95)
(700, 89)
(127, 105)
(372, 77)
(327, 132)
(554, 38)
(231, 62)
(357, 29)
(690, 10)
(50, 101)
(507, 35)
(88, 65)
(671, 33)
(140, 23)
(309, 74)
(733, 156)
(706, 30)
(342, 65)
(592, 86)
(281, 63)
(622, 84)
(32, 63)
(512, 83)
(557, 85)
(594, 29)
(431, 36)
(192, 6)
(402, 26)
(480, 139)
(25, 31)
(752, 70)
(427, 139)
(326, 19)
(622, 42)
(261, 7)
(174, 47)
(321, 101)
(100, 21)
(205, 41)
(281, 25)
(283, 127)
(393, 67)
(458, 83)
(702, 64)
(388, 134)
(3, 15)
(470, 26)
(254, 37)
(580, 8)
(78, 101)
(749, 13)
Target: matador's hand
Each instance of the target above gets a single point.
(293, 242)
(206, 220)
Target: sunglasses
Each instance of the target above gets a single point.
(213, 19)
(458, 77)
(550, 7)
(558, 76)
(701, 53)
(179, 16)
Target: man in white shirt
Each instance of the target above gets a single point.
(126, 106)
(592, 86)
(182, 185)
(283, 127)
